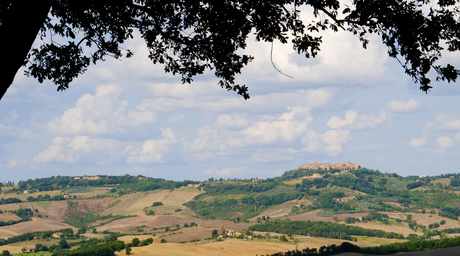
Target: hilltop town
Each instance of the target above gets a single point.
(316, 166)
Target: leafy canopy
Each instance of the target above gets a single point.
(190, 36)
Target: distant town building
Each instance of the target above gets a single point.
(91, 177)
(316, 166)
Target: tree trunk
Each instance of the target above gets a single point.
(18, 30)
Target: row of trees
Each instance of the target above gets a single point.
(321, 229)
(68, 232)
(11, 200)
(136, 183)
(45, 197)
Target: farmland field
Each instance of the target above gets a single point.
(38, 224)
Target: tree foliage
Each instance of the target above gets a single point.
(189, 37)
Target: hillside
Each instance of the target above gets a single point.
(373, 205)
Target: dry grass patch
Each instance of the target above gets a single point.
(94, 191)
(52, 209)
(307, 216)
(293, 182)
(133, 204)
(241, 247)
(281, 210)
(14, 249)
(444, 181)
(38, 224)
(23, 197)
(145, 200)
(163, 209)
(157, 221)
(405, 230)
(425, 220)
(227, 247)
(8, 217)
(180, 196)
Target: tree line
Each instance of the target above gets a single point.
(321, 229)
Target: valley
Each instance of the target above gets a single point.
(231, 216)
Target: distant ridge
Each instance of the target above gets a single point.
(316, 166)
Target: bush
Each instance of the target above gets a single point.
(157, 203)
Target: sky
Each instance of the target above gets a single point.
(128, 116)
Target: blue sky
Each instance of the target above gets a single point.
(348, 104)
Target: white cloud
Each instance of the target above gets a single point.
(355, 122)
(313, 141)
(334, 140)
(225, 172)
(17, 132)
(232, 121)
(151, 151)
(285, 129)
(101, 113)
(452, 125)
(445, 142)
(55, 152)
(268, 155)
(447, 122)
(70, 150)
(207, 140)
(457, 136)
(382, 160)
(417, 143)
(403, 107)
(231, 172)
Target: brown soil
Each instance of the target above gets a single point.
(308, 216)
(181, 235)
(227, 247)
(157, 221)
(8, 217)
(425, 219)
(401, 229)
(52, 209)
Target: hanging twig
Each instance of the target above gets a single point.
(271, 59)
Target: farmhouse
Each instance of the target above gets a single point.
(57, 235)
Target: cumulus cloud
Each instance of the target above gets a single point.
(417, 143)
(234, 120)
(335, 139)
(151, 151)
(445, 142)
(285, 129)
(355, 122)
(445, 122)
(101, 113)
(313, 141)
(207, 140)
(231, 172)
(17, 132)
(226, 172)
(269, 155)
(69, 150)
(403, 107)
(55, 152)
